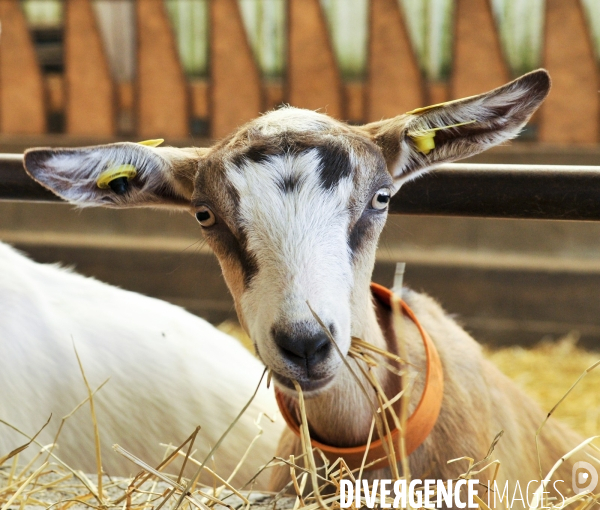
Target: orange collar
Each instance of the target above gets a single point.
(419, 424)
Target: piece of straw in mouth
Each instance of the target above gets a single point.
(299, 490)
(361, 344)
(382, 400)
(307, 447)
(378, 422)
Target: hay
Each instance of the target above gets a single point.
(54, 484)
(546, 372)
(48, 482)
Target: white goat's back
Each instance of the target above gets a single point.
(169, 372)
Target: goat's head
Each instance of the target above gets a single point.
(293, 203)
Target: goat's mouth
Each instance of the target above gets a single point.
(310, 387)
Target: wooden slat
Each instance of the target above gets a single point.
(394, 84)
(570, 113)
(125, 93)
(55, 92)
(90, 99)
(199, 97)
(478, 63)
(354, 96)
(162, 92)
(313, 77)
(235, 94)
(22, 101)
(126, 107)
(273, 94)
(437, 92)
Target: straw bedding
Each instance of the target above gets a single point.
(546, 372)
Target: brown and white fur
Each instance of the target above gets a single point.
(293, 204)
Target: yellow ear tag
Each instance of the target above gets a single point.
(424, 140)
(115, 172)
(152, 143)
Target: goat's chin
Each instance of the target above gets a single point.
(310, 388)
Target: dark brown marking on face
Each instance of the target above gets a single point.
(359, 234)
(227, 240)
(335, 158)
(289, 184)
(335, 165)
(261, 150)
(256, 153)
(233, 248)
(367, 220)
(366, 229)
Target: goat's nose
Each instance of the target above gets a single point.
(302, 345)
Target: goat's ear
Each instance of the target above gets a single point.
(154, 176)
(414, 142)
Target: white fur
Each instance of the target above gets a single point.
(169, 372)
(299, 240)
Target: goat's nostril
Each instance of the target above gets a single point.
(321, 352)
(316, 345)
(301, 344)
(332, 329)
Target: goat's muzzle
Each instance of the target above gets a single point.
(306, 351)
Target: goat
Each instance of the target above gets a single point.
(293, 204)
(169, 371)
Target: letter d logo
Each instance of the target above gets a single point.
(585, 477)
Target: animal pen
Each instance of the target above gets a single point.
(507, 240)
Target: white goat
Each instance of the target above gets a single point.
(293, 204)
(169, 371)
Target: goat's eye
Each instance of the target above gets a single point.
(205, 216)
(381, 199)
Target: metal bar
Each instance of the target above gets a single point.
(550, 192)
(16, 185)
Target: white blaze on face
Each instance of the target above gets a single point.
(298, 233)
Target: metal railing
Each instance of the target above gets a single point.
(549, 192)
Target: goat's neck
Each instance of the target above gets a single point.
(341, 414)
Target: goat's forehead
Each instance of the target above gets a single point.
(290, 150)
(332, 154)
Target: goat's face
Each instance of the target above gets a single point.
(293, 204)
